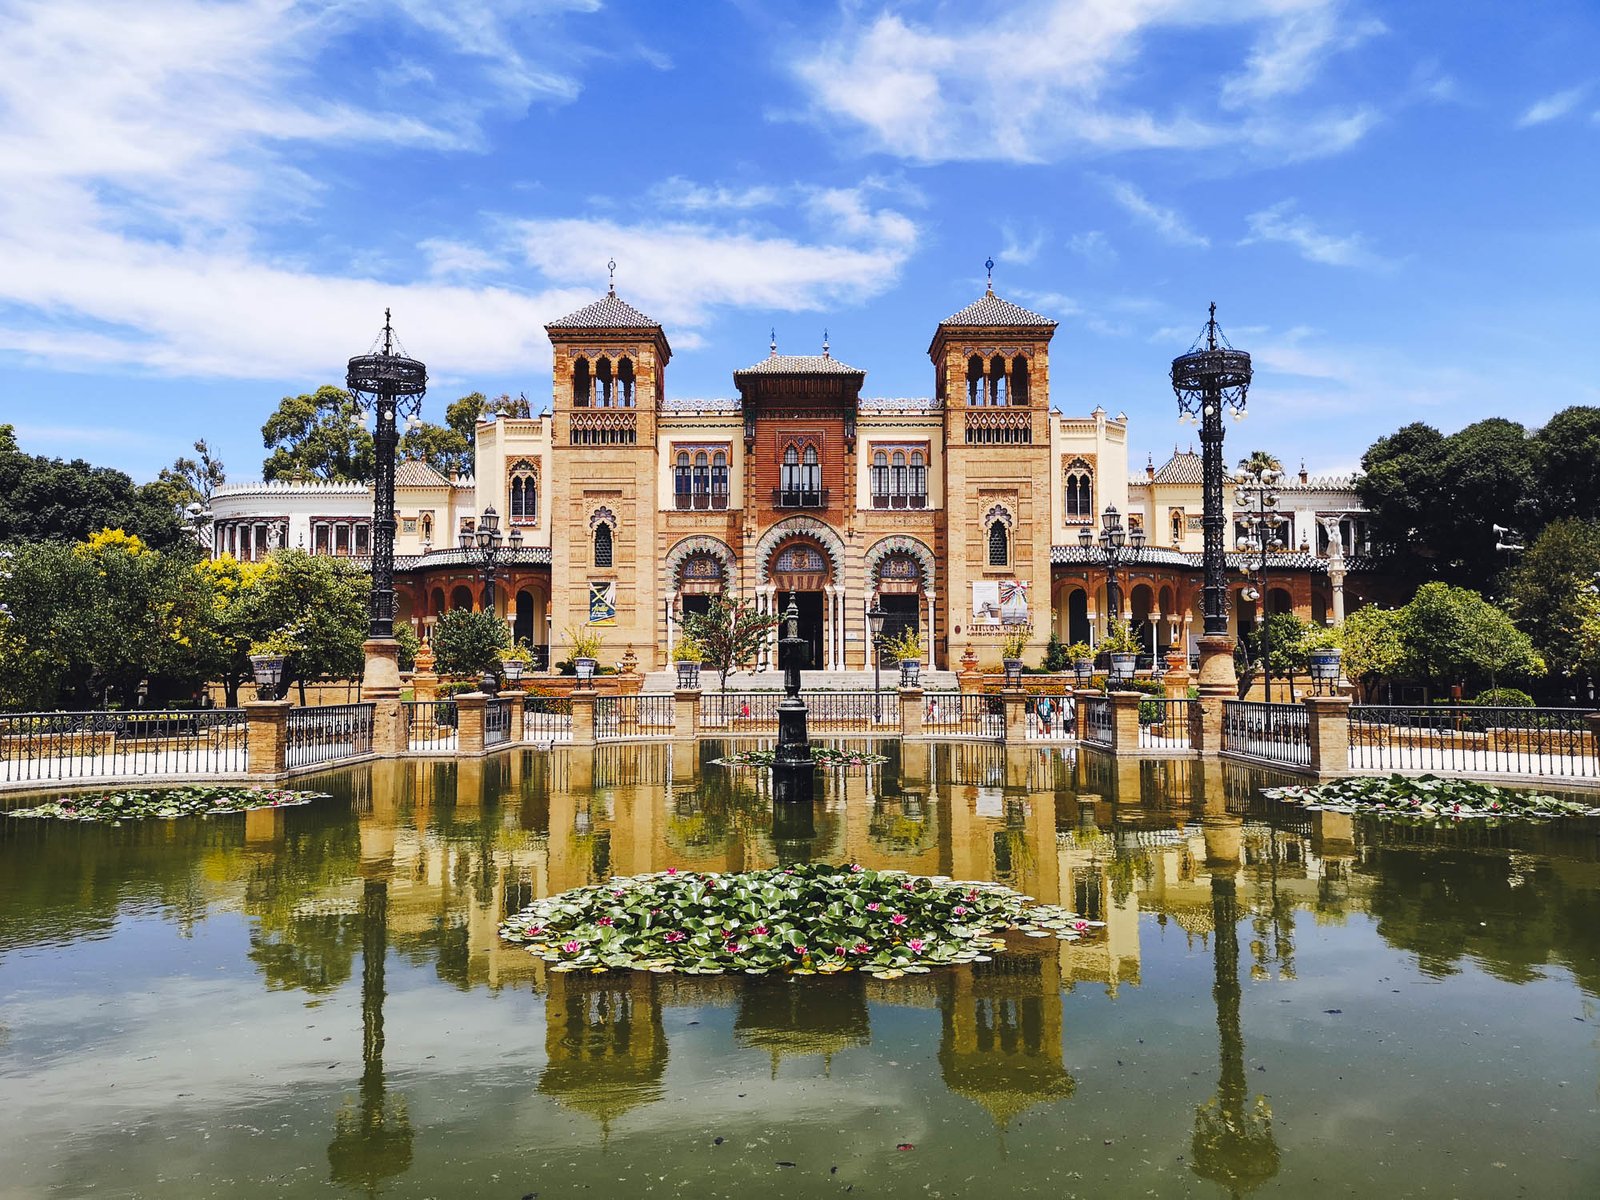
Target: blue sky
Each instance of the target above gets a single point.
(205, 206)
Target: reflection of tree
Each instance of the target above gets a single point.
(372, 1142)
(1273, 922)
(1233, 1143)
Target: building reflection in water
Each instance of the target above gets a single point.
(605, 1047)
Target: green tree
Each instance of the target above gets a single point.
(1400, 487)
(468, 643)
(449, 448)
(1453, 635)
(1566, 459)
(322, 435)
(46, 499)
(324, 600)
(1549, 590)
(1374, 651)
(731, 632)
(191, 480)
(1259, 463)
(1284, 635)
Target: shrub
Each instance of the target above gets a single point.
(1503, 698)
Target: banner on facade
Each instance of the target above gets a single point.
(986, 600)
(603, 603)
(1013, 602)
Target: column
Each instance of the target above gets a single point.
(518, 700)
(1337, 579)
(1329, 719)
(672, 608)
(928, 636)
(469, 722)
(1125, 723)
(828, 623)
(266, 741)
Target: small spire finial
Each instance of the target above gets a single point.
(988, 265)
(772, 346)
(611, 269)
(824, 342)
(1211, 328)
(388, 333)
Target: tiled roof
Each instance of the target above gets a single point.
(608, 312)
(896, 404)
(718, 404)
(800, 364)
(989, 309)
(1156, 556)
(413, 473)
(525, 556)
(1182, 467)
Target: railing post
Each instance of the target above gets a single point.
(469, 722)
(380, 687)
(517, 701)
(1080, 712)
(1594, 735)
(266, 737)
(911, 712)
(1125, 723)
(583, 731)
(1205, 724)
(686, 713)
(1016, 702)
(1328, 718)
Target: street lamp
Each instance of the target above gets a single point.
(485, 543)
(1259, 500)
(1117, 545)
(875, 620)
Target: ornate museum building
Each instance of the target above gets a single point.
(961, 513)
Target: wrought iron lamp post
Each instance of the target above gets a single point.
(1209, 377)
(1117, 545)
(1264, 524)
(875, 622)
(485, 543)
(793, 768)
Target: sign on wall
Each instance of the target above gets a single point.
(603, 603)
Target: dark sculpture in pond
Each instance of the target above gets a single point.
(794, 771)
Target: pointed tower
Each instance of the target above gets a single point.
(609, 363)
(992, 375)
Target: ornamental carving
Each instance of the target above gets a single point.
(896, 553)
(602, 516)
(698, 549)
(825, 537)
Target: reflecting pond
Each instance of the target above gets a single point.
(314, 1000)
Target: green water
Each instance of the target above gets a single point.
(313, 1001)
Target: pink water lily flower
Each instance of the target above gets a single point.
(862, 948)
(672, 870)
(1080, 926)
(734, 948)
(961, 910)
(874, 906)
(856, 867)
(675, 935)
(603, 921)
(760, 931)
(534, 929)
(916, 945)
(898, 919)
(570, 947)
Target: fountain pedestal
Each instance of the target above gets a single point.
(794, 770)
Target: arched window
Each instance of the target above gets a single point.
(997, 380)
(702, 480)
(999, 544)
(1177, 528)
(719, 479)
(880, 480)
(625, 382)
(524, 492)
(897, 479)
(680, 480)
(602, 379)
(800, 481)
(811, 474)
(427, 528)
(975, 390)
(919, 480)
(1019, 380)
(580, 383)
(1079, 505)
(602, 545)
(789, 481)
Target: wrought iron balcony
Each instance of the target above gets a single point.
(799, 498)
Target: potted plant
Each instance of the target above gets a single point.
(687, 654)
(907, 647)
(585, 647)
(1011, 649)
(515, 661)
(1325, 652)
(267, 655)
(1123, 648)
(1081, 656)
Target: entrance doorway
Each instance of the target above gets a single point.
(695, 604)
(900, 614)
(809, 606)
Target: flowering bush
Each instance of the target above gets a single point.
(814, 919)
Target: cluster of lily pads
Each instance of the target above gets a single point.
(810, 919)
(165, 803)
(1428, 798)
(823, 756)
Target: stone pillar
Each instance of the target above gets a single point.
(932, 659)
(519, 703)
(583, 716)
(686, 713)
(1329, 718)
(380, 687)
(1176, 678)
(469, 722)
(1336, 578)
(1125, 722)
(424, 683)
(1080, 715)
(911, 712)
(1217, 684)
(266, 737)
(1016, 702)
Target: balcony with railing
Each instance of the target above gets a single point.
(700, 501)
(799, 497)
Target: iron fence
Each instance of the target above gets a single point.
(1096, 719)
(963, 714)
(1051, 716)
(496, 722)
(864, 711)
(1472, 740)
(547, 719)
(107, 744)
(430, 725)
(327, 732)
(1279, 733)
(1164, 723)
(647, 714)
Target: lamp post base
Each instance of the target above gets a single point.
(380, 687)
(1217, 682)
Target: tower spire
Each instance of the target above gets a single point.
(824, 342)
(988, 265)
(611, 269)
(772, 346)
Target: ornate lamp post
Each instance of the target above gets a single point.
(1205, 379)
(793, 768)
(875, 622)
(1265, 525)
(1117, 545)
(391, 385)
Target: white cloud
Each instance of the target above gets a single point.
(1282, 223)
(1552, 108)
(680, 193)
(1093, 247)
(1048, 77)
(1017, 251)
(1167, 222)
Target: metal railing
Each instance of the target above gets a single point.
(1469, 739)
(963, 714)
(1096, 720)
(1051, 716)
(1279, 733)
(647, 714)
(1164, 723)
(547, 719)
(430, 724)
(828, 712)
(326, 733)
(108, 744)
(496, 722)
(799, 497)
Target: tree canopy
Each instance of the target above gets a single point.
(730, 633)
(1552, 592)
(322, 435)
(47, 499)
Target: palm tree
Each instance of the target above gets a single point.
(1259, 464)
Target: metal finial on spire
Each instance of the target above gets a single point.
(1211, 328)
(611, 268)
(772, 346)
(388, 333)
(988, 265)
(824, 341)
